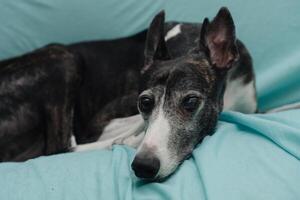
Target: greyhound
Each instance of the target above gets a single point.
(191, 73)
(64, 98)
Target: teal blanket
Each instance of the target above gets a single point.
(249, 156)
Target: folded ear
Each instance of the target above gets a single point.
(218, 37)
(155, 47)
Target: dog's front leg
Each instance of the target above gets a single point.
(59, 128)
(117, 121)
(121, 107)
(131, 135)
(59, 114)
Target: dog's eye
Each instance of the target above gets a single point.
(146, 103)
(190, 103)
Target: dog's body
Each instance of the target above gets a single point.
(83, 86)
(36, 104)
(110, 83)
(101, 89)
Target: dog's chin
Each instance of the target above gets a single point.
(160, 177)
(171, 169)
(168, 172)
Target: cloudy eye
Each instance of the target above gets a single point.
(190, 103)
(146, 103)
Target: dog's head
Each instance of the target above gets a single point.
(182, 97)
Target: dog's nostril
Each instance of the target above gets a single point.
(145, 167)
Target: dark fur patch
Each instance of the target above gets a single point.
(37, 98)
(48, 93)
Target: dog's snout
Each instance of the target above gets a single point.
(145, 166)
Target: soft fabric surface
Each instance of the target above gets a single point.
(249, 157)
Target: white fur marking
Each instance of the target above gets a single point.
(73, 141)
(132, 141)
(119, 126)
(135, 128)
(200, 107)
(158, 130)
(156, 140)
(240, 97)
(173, 32)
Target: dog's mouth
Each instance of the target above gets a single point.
(152, 171)
(171, 131)
(159, 164)
(161, 160)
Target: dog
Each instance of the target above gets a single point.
(192, 72)
(61, 91)
(180, 75)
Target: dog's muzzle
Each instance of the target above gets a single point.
(145, 166)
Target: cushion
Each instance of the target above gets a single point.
(249, 157)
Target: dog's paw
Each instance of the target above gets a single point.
(132, 141)
(119, 141)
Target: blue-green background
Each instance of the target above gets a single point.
(249, 157)
(269, 28)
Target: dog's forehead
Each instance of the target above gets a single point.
(183, 73)
(191, 73)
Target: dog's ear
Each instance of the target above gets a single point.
(218, 38)
(155, 47)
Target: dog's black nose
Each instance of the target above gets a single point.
(145, 166)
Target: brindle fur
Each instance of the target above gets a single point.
(60, 90)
